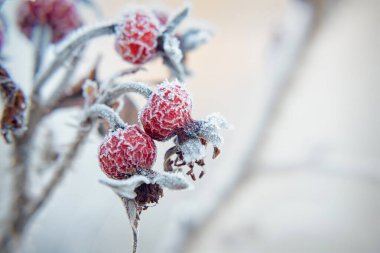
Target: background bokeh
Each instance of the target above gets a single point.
(312, 176)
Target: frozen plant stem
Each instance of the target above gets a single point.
(71, 44)
(41, 39)
(105, 112)
(59, 170)
(120, 89)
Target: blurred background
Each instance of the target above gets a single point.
(298, 80)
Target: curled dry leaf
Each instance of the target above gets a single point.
(13, 116)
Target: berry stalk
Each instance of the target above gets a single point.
(108, 114)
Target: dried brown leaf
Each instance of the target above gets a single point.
(13, 116)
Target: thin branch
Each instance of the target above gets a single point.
(59, 170)
(69, 45)
(41, 39)
(120, 89)
(67, 77)
(105, 112)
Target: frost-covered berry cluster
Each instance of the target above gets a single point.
(127, 153)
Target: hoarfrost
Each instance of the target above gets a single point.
(126, 188)
(192, 150)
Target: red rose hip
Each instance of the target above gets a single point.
(60, 16)
(167, 111)
(125, 150)
(136, 39)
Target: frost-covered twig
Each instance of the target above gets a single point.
(297, 29)
(41, 39)
(59, 170)
(67, 77)
(70, 44)
(120, 89)
(105, 112)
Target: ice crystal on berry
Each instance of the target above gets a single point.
(167, 110)
(136, 39)
(124, 151)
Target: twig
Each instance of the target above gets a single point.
(67, 77)
(69, 45)
(60, 168)
(287, 51)
(121, 89)
(41, 39)
(108, 114)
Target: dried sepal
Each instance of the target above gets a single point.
(194, 38)
(191, 142)
(177, 20)
(90, 92)
(209, 131)
(168, 162)
(13, 116)
(126, 188)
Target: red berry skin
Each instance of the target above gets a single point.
(167, 111)
(60, 16)
(125, 150)
(136, 39)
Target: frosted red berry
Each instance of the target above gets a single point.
(136, 39)
(125, 150)
(167, 111)
(61, 16)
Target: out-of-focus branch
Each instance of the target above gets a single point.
(289, 42)
(59, 169)
(67, 77)
(71, 44)
(41, 39)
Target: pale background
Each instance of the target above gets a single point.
(315, 185)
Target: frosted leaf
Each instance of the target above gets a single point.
(172, 48)
(209, 129)
(126, 188)
(172, 181)
(192, 150)
(193, 38)
(177, 20)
